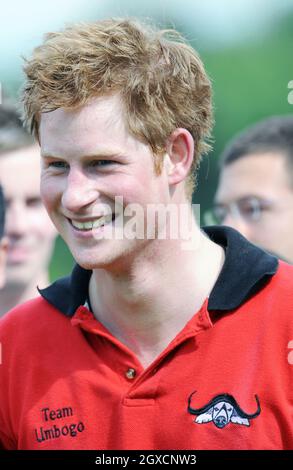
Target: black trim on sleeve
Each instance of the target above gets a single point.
(246, 270)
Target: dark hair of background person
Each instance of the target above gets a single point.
(13, 135)
(2, 212)
(274, 134)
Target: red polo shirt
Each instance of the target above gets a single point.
(224, 382)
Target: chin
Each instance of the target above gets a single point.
(114, 257)
(91, 262)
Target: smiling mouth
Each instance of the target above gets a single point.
(92, 224)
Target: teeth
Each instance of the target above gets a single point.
(93, 224)
(102, 221)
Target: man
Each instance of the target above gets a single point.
(3, 240)
(255, 192)
(153, 342)
(29, 230)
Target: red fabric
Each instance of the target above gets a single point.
(63, 382)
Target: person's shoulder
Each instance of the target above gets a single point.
(31, 330)
(32, 314)
(279, 292)
(284, 276)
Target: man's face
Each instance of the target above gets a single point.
(88, 159)
(28, 228)
(260, 185)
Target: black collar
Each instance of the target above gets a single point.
(246, 270)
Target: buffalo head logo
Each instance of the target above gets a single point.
(222, 410)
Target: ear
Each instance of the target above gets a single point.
(180, 149)
(3, 253)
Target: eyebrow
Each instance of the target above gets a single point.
(100, 154)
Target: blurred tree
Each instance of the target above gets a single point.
(62, 261)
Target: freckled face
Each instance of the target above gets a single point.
(88, 159)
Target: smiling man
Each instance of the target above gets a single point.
(147, 331)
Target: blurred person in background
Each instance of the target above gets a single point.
(3, 240)
(255, 190)
(29, 231)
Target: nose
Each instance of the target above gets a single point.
(80, 191)
(221, 419)
(17, 219)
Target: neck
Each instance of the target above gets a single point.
(14, 294)
(148, 304)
